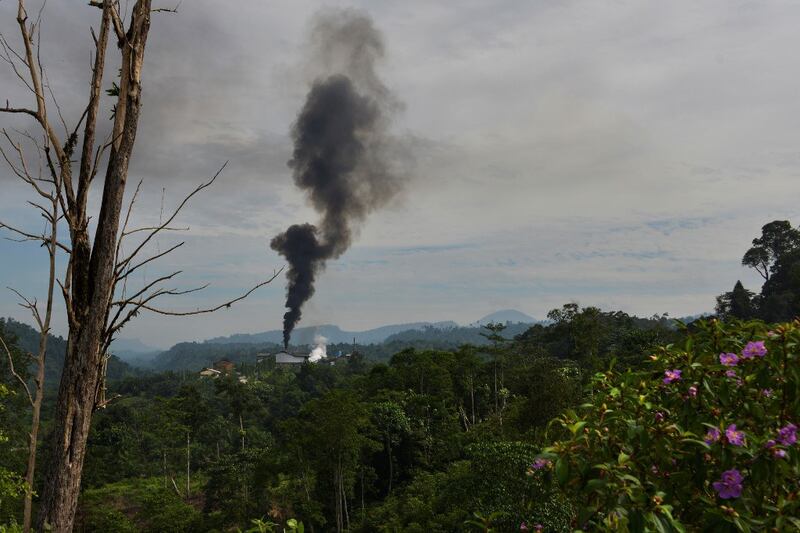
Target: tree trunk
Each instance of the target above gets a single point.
(241, 430)
(472, 398)
(391, 472)
(34, 435)
(93, 285)
(188, 467)
(44, 332)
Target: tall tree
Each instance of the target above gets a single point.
(49, 190)
(393, 424)
(777, 239)
(95, 284)
(737, 303)
(495, 336)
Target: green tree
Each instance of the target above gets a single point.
(11, 484)
(392, 423)
(332, 434)
(737, 303)
(497, 351)
(777, 239)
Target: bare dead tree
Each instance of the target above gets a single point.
(49, 240)
(95, 284)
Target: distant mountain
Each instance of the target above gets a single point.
(334, 334)
(449, 338)
(506, 315)
(27, 339)
(132, 346)
(194, 356)
(134, 352)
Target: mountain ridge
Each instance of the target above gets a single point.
(333, 333)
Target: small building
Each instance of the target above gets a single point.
(210, 373)
(224, 366)
(284, 358)
(338, 359)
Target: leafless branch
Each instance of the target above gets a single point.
(25, 236)
(124, 263)
(104, 403)
(167, 9)
(132, 269)
(8, 109)
(212, 309)
(14, 372)
(30, 305)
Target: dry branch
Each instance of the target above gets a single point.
(14, 372)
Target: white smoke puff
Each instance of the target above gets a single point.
(320, 351)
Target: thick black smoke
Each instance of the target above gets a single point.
(340, 152)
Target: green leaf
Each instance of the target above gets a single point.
(576, 427)
(562, 471)
(596, 485)
(741, 526)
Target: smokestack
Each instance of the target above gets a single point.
(341, 148)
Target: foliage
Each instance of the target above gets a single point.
(592, 337)
(12, 485)
(137, 505)
(704, 438)
(414, 444)
(775, 255)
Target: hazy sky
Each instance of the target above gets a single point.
(619, 154)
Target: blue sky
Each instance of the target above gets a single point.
(620, 154)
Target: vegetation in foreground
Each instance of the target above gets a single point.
(594, 421)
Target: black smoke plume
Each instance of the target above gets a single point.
(341, 156)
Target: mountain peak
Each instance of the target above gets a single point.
(506, 315)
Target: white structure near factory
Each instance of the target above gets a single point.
(285, 358)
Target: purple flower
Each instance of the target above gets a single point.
(787, 435)
(731, 373)
(672, 375)
(538, 527)
(769, 444)
(730, 484)
(659, 416)
(754, 349)
(523, 527)
(778, 453)
(693, 391)
(766, 393)
(734, 436)
(728, 359)
(712, 436)
(539, 463)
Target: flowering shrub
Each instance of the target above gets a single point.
(705, 438)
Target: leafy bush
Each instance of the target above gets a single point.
(703, 439)
(137, 505)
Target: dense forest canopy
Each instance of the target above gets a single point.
(350, 446)
(418, 433)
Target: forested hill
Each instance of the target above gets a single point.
(455, 336)
(196, 355)
(27, 340)
(334, 334)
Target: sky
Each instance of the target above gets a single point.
(614, 153)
